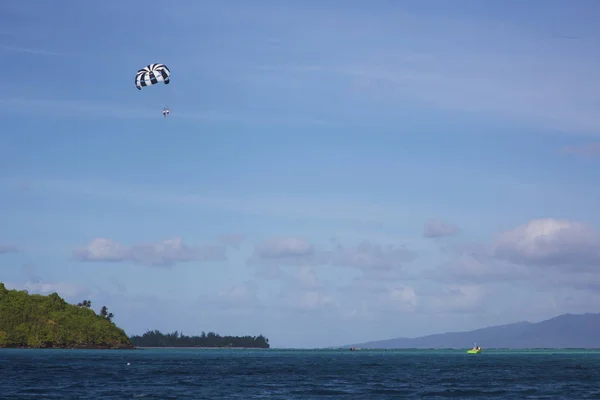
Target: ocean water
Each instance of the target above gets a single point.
(297, 374)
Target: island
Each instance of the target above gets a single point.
(565, 331)
(209, 340)
(37, 321)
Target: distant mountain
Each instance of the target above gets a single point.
(563, 331)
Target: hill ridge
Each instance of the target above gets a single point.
(562, 331)
(38, 321)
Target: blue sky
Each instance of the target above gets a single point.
(328, 175)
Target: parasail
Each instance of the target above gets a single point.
(151, 75)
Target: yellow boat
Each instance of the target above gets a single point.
(475, 350)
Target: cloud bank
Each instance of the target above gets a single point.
(551, 243)
(372, 259)
(165, 253)
(294, 277)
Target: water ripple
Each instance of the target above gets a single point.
(274, 374)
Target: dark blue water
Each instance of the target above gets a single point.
(297, 374)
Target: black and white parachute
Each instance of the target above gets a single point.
(151, 75)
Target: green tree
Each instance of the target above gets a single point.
(176, 339)
(104, 313)
(48, 321)
(85, 303)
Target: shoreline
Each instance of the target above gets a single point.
(65, 348)
(200, 347)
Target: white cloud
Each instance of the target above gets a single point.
(287, 250)
(165, 253)
(545, 253)
(476, 267)
(376, 261)
(551, 242)
(102, 249)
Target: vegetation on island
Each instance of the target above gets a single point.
(176, 339)
(37, 321)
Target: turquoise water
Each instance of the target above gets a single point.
(297, 374)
